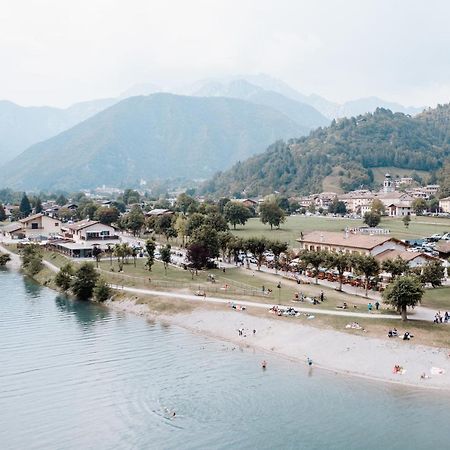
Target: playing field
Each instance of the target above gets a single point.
(290, 230)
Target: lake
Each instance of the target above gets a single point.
(75, 375)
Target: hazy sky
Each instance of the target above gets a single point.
(58, 52)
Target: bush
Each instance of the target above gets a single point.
(101, 290)
(84, 281)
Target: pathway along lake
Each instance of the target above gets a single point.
(74, 375)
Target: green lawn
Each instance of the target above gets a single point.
(438, 298)
(290, 230)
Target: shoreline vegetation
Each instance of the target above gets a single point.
(365, 351)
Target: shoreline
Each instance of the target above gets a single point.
(331, 350)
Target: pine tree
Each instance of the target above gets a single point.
(25, 207)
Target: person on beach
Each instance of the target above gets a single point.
(309, 361)
(377, 305)
(321, 296)
(369, 307)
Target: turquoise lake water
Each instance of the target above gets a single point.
(74, 375)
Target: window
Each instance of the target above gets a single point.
(56, 224)
(34, 225)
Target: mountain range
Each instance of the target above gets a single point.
(346, 153)
(151, 137)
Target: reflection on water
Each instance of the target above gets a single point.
(74, 375)
(86, 313)
(32, 288)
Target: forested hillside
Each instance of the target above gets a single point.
(160, 136)
(352, 146)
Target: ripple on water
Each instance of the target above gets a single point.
(74, 375)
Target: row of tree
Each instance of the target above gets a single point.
(366, 265)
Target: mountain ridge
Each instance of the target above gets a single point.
(157, 136)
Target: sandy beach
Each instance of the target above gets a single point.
(331, 350)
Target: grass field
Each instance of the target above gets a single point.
(437, 298)
(290, 230)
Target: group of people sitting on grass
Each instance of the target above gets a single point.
(394, 333)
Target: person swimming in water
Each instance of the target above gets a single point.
(264, 364)
(309, 361)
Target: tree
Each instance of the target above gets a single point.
(337, 207)
(395, 267)
(63, 278)
(165, 256)
(180, 227)
(340, 261)
(107, 214)
(184, 202)
(312, 208)
(97, 253)
(61, 200)
(419, 205)
(134, 220)
(216, 221)
(194, 222)
(366, 265)
(404, 291)
(25, 207)
(236, 213)
(83, 281)
(313, 259)
(129, 197)
(102, 291)
(2, 213)
(257, 246)
(378, 207)
(372, 219)
(4, 259)
(433, 272)
(150, 247)
(209, 238)
(277, 249)
(272, 214)
(31, 259)
(38, 206)
(406, 221)
(224, 239)
(122, 251)
(197, 255)
(221, 204)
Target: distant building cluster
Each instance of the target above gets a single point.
(397, 203)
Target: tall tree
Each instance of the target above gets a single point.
(2, 213)
(272, 214)
(83, 281)
(166, 256)
(404, 291)
(395, 267)
(25, 207)
(236, 213)
(313, 259)
(377, 207)
(372, 219)
(366, 265)
(38, 205)
(277, 248)
(341, 262)
(150, 247)
(433, 272)
(107, 214)
(419, 205)
(257, 246)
